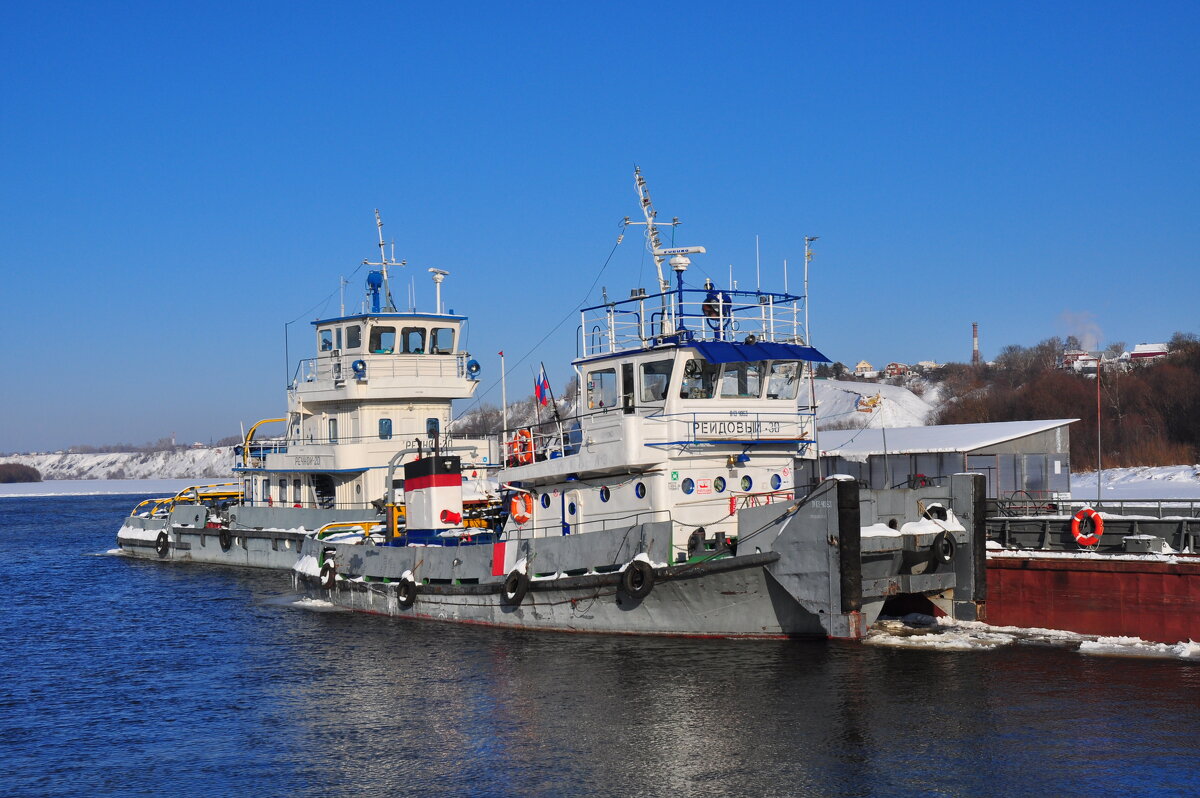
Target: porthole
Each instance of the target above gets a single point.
(639, 490)
(545, 500)
(605, 493)
(747, 483)
(571, 508)
(776, 482)
(688, 485)
(719, 484)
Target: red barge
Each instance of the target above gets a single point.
(1133, 582)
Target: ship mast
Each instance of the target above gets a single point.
(653, 241)
(384, 262)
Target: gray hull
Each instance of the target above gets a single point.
(253, 537)
(735, 600)
(799, 571)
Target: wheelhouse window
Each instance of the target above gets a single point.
(699, 379)
(385, 429)
(333, 430)
(742, 380)
(383, 340)
(414, 340)
(656, 377)
(784, 381)
(442, 341)
(602, 388)
(326, 339)
(353, 336)
(297, 492)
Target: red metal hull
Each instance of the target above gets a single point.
(1156, 601)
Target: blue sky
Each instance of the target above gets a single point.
(177, 184)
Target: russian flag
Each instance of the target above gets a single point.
(541, 388)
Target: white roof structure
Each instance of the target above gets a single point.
(857, 444)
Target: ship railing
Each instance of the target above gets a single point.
(378, 365)
(1049, 503)
(590, 525)
(212, 494)
(694, 314)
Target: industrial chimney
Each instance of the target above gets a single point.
(974, 343)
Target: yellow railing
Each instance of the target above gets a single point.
(197, 493)
(363, 526)
(250, 437)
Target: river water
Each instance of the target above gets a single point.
(127, 677)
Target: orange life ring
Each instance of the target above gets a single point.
(521, 446)
(521, 508)
(1097, 527)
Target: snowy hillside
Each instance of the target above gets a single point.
(838, 402)
(216, 462)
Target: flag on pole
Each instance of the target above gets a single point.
(541, 387)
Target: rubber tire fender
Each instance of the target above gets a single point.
(695, 543)
(516, 585)
(225, 538)
(329, 574)
(406, 593)
(162, 544)
(942, 550)
(637, 580)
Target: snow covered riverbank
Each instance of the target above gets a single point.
(98, 487)
(1143, 482)
(204, 464)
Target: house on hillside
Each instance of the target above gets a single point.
(925, 366)
(1080, 361)
(895, 369)
(865, 370)
(1145, 353)
(1029, 456)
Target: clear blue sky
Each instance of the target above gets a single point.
(177, 183)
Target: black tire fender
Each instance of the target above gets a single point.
(162, 544)
(329, 574)
(516, 585)
(942, 550)
(695, 543)
(637, 580)
(406, 593)
(225, 538)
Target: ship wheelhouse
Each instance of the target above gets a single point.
(691, 404)
(379, 379)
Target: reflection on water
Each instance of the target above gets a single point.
(169, 678)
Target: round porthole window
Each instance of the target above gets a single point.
(545, 500)
(747, 483)
(571, 508)
(719, 484)
(776, 482)
(639, 490)
(688, 485)
(605, 493)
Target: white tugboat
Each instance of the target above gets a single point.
(670, 504)
(380, 380)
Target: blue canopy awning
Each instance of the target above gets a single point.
(728, 352)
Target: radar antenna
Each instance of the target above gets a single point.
(384, 262)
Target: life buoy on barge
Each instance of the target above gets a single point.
(1087, 539)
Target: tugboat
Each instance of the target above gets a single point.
(356, 411)
(670, 503)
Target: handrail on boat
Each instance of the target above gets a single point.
(168, 502)
(364, 526)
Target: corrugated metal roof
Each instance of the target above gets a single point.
(859, 443)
